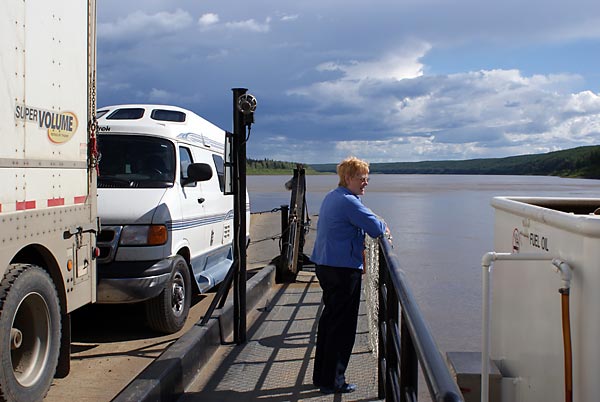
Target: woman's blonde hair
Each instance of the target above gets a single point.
(351, 166)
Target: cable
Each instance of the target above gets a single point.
(266, 212)
(277, 237)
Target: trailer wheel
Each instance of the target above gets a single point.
(168, 311)
(29, 333)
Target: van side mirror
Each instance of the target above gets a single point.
(197, 172)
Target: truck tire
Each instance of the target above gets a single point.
(29, 333)
(168, 311)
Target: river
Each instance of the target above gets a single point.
(441, 227)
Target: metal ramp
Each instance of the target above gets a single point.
(277, 361)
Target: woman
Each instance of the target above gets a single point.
(338, 255)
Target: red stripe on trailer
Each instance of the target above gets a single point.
(80, 199)
(0, 207)
(23, 205)
(56, 202)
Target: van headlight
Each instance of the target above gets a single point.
(144, 235)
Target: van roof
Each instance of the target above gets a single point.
(160, 120)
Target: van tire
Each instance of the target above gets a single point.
(29, 306)
(168, 311)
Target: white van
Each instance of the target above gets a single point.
(167, 227)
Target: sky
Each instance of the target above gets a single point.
(382, 80)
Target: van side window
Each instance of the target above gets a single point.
(168, 115)
(130, 113)
(220, 171)
(101, 113)
(185, 160)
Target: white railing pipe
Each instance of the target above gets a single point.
(565, 272)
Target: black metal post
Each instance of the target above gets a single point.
(409, 364)
(304, 221)
(239, 220)
(285, 209)
(282, 265)
(392, 363)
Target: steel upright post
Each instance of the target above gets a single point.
(239, 201)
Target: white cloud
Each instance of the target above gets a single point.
(405, 80)
(583, 102)
(209, 19)
(396, 66)
(402, 149)
(397, 113)
(139, 23)
(402, 64)
(212, 21)
(290, 17)
(250, 25)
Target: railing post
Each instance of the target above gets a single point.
(391, 319)
(409, 364)
(282, 265)
(284, 222)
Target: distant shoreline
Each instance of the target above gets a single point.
(581, 162)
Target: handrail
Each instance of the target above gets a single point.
(398, 369)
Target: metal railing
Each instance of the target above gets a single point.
(404, 338)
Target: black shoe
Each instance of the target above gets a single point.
(344, 389)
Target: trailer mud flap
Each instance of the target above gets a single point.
(64, 358)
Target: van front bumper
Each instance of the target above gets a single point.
(132, 281)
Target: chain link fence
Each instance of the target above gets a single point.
(371, 289)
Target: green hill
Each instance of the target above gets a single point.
(582, 162)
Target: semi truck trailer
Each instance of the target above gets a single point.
(48, 217)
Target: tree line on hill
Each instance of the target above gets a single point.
(582, 162)
(270, 166)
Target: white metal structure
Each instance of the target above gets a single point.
(164, 229)
(48, 215)
(526, 333)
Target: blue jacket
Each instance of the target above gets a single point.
(343, 221)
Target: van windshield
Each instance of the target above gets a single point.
(134, 161)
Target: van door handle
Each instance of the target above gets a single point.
(200, 200)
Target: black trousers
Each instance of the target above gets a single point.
(337, 325)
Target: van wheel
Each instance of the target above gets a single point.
(168, 311)
(29, 333)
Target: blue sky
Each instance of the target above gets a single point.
(384, 80)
